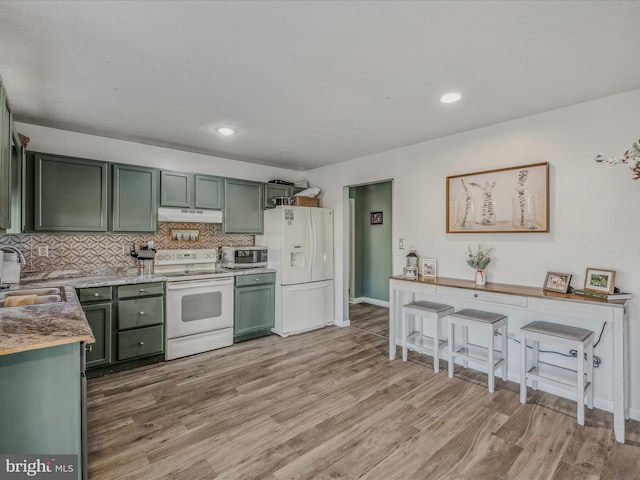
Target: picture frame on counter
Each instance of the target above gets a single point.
(410, 273)
(428, 267)
(185, 235)
(504, 200)
(557, 282)
(600, 280)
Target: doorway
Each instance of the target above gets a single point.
(369, 208)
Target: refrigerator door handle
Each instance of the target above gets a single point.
(314, 240)
(309, 244)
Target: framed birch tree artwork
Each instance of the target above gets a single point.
(506, 200)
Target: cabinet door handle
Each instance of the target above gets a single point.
(475, 295)
(142, 290)
(141, 343)
(141, 312)
(257, 279)
(96, 294)
(88, 347)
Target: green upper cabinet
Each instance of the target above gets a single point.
(243, 202)
(176, 189)
(69, 194)
(5, 160)
(134, 198)
(188, 190)
(209, 193)
(273, 190)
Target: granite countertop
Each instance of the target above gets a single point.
(40, 326)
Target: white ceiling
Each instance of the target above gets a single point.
(307, 83)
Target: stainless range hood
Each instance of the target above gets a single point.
(187, 215)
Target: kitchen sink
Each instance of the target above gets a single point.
(43, 296)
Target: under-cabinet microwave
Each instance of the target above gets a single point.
(244, 257)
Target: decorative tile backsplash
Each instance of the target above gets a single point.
(104, 254)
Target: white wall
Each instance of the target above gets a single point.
(594, 216)
(63, 142)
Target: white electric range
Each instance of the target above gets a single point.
(199, 301)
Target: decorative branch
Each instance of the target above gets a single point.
(467, 204)
(522, 180)
(631, 157)
(488, 207)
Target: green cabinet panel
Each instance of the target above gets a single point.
(140, 312)
(70, 194)
(140, 342)
(243, 201)
(209, 192)
(140, 290)
(135, 206)
(254, 306)
(40, 408)
(15, 202)
(120, 317)
(272, 190)
(94, 294)
(176, 189)
(255, 279)
(5, 160)
(99, 318)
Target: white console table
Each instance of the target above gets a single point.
(530, 299)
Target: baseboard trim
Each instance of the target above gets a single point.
(342, 323)
(372, 301)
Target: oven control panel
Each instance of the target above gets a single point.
(179, 257)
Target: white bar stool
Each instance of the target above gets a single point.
(562, 336)
(488, 321)
(413, 338)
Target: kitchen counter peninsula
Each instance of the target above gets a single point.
(33, 327)
(522, 304)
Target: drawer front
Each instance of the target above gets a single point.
(140, 312)
(482, 296)
(94, 294)
(259, 279)
(140, 290)
(140, 342)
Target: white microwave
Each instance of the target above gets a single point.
(244, 257)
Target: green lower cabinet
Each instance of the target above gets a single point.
(128, 324)
(40, 404)
(99, 318)
(140, 342)
(254, 306)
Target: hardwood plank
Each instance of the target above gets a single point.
(330, 404)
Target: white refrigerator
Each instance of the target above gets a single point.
(300, 248)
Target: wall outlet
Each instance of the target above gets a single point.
(43, 250)
(401, 244)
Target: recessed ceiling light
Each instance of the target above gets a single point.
(450, 97)
(226, 131)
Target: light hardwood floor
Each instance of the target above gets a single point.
(329, 404)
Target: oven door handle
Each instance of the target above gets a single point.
(184, 286)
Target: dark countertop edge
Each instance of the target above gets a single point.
(509, 289)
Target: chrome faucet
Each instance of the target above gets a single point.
(11, 248)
